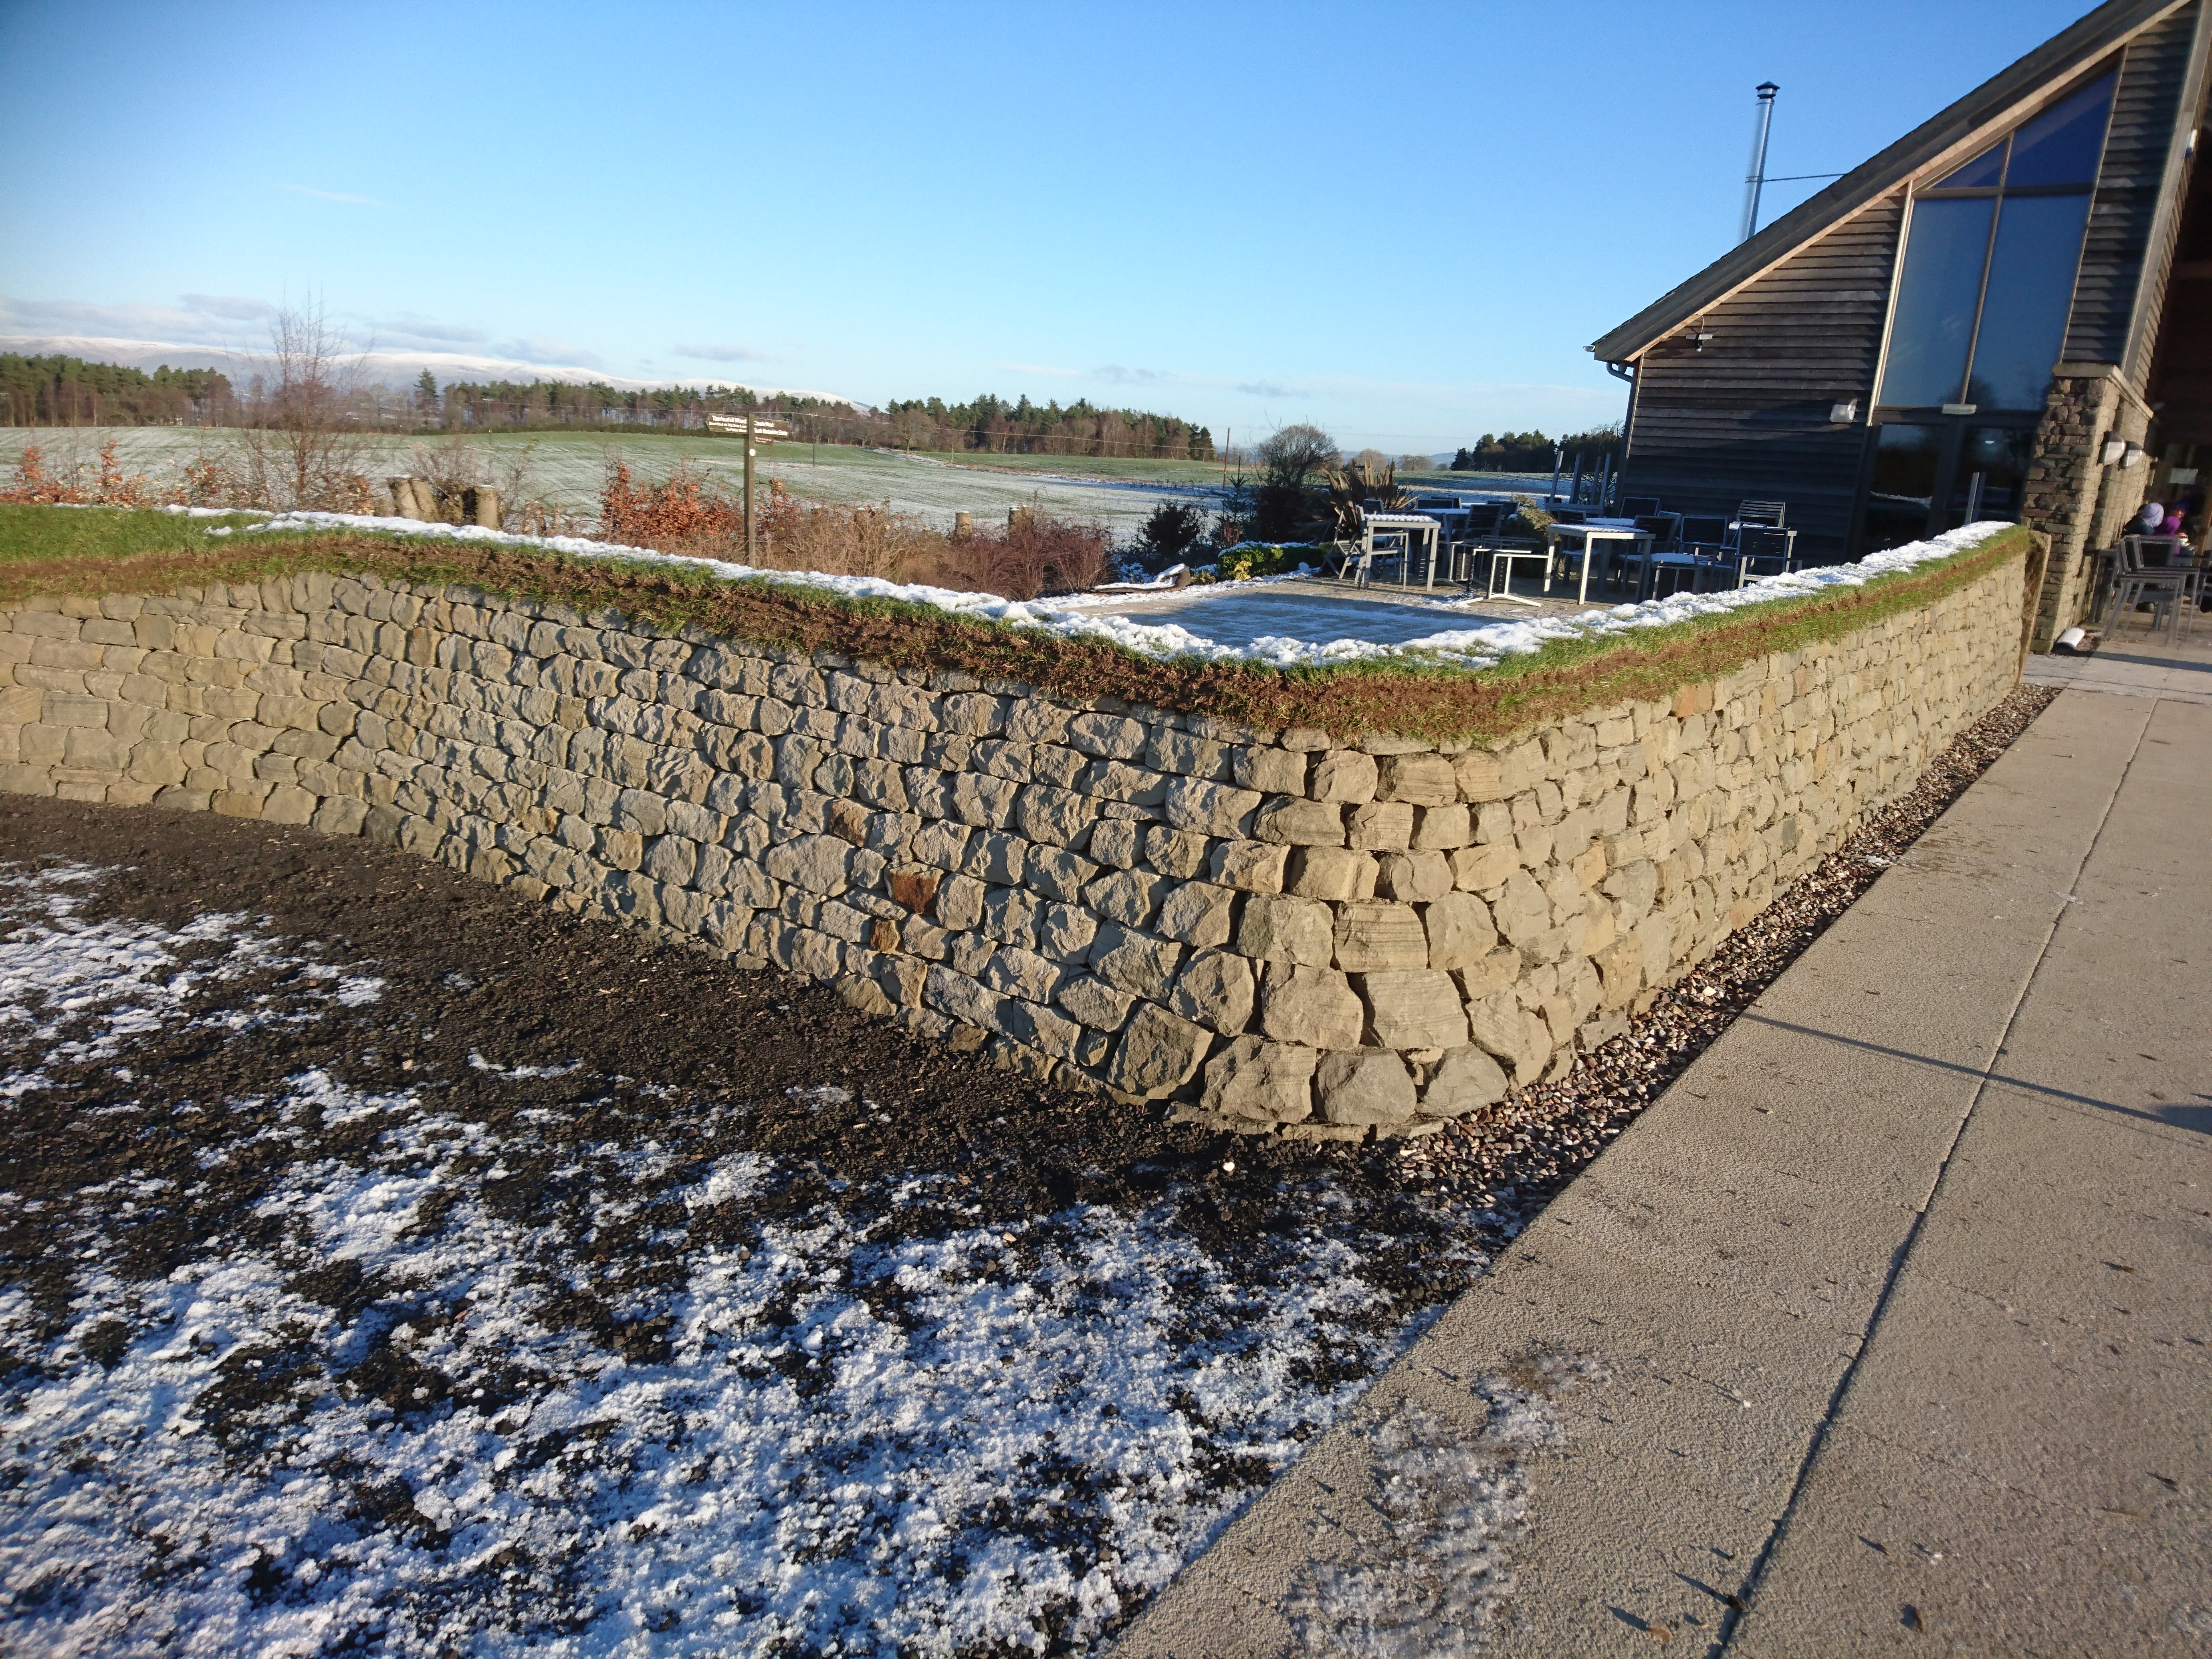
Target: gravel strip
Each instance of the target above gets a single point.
(1510, 1159)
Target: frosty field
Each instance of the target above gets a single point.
(399, 1264)
(569, 469)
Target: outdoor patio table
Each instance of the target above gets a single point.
(1589, 533)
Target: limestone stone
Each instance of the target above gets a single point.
(1095, 1003)
(1485, 869)
(1198, 913)
(1209, 809)
(1255, 867)
(1266, 1082)
(1296, 822)
(1423, 780)
(1365, 1085)
(1466, 1080)
(1331, 872)
(1313, 1005)
(1344, 776)
(1459, 929)
(1126, 896)
(1269, 770)
(1413, 878)
(1375, 935)
(816, 864)
(1281, 928)
(1134, 962)
(1217, 989)
(1380, 827)
(1158, 1052)
(1413, 1009)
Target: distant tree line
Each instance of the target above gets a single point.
(61, 390)
(1532, 452)
(987, 424)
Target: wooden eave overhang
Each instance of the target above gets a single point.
(2056, 60)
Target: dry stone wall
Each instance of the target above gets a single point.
(1281, 932)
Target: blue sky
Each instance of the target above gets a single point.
(1404, 222)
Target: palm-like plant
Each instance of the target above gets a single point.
(1351, 488)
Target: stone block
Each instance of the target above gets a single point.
(1254, 866)
(1133, 962)
(1295, 823)
(1365, 1085)
(1333, 873)
(1413, 1009)
(1459, 929)
(1129, 896)
(1480, 776)
(1413, 878)
(1209, 809)
(1217, 989)
(814, 864)
(1266, 1082)
(1313, 1005)
(1197, 913)
(1023, 973)
(1270, 771)
(1444, 828)
(1422, 780)
(1281, 928)
(1176, 852)
(1057, 873)
(1096, 1004)
(1344, 776)
(1372, 935)
(287, 803)
(1382, 827)
(1065, 931)
(1157, 1053)
(339, 815)
(1466, 1080)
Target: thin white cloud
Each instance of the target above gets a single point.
(721, 354)
(333, 195)
(230, 306)
(1115, 374)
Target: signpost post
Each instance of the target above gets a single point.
(754, 428)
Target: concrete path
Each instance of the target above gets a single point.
(1886, 1328)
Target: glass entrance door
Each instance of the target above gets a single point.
(1927, 476)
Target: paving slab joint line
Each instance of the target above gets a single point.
(1733, 1618)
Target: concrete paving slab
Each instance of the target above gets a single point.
(1884, 1222)
(1908, 1554)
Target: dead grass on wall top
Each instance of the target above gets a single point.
(1426, 702)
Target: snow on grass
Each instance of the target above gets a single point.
(1484, 647)
(402, 1396)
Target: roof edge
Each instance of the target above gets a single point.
(2071, 49)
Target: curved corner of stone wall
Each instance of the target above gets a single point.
(1279, 933)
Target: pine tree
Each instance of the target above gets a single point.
(426, 393)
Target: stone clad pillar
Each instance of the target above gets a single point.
(2073, 496)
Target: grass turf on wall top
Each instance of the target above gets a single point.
(50, 551)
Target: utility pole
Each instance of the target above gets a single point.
(1228, 438)
(1756, 179)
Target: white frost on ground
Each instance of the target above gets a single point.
(854, 1436)
(112, 980)
(1468, 647)
(1453, 1505)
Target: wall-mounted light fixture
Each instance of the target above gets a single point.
(2133, 456)
(1843, 414)
(2114, 449)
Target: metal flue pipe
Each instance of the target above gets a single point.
(1754, 180)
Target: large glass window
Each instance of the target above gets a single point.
(1988, 275)
(1906, 459)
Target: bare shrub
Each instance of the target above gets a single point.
(458, 463)
(305, 447)
(102, 483)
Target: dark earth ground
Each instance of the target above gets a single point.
(519, 1065)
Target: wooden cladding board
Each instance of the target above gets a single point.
(1744, 414)
(2145, 105)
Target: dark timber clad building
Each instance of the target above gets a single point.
(1958, 328)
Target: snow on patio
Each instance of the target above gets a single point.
(489, 1379)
